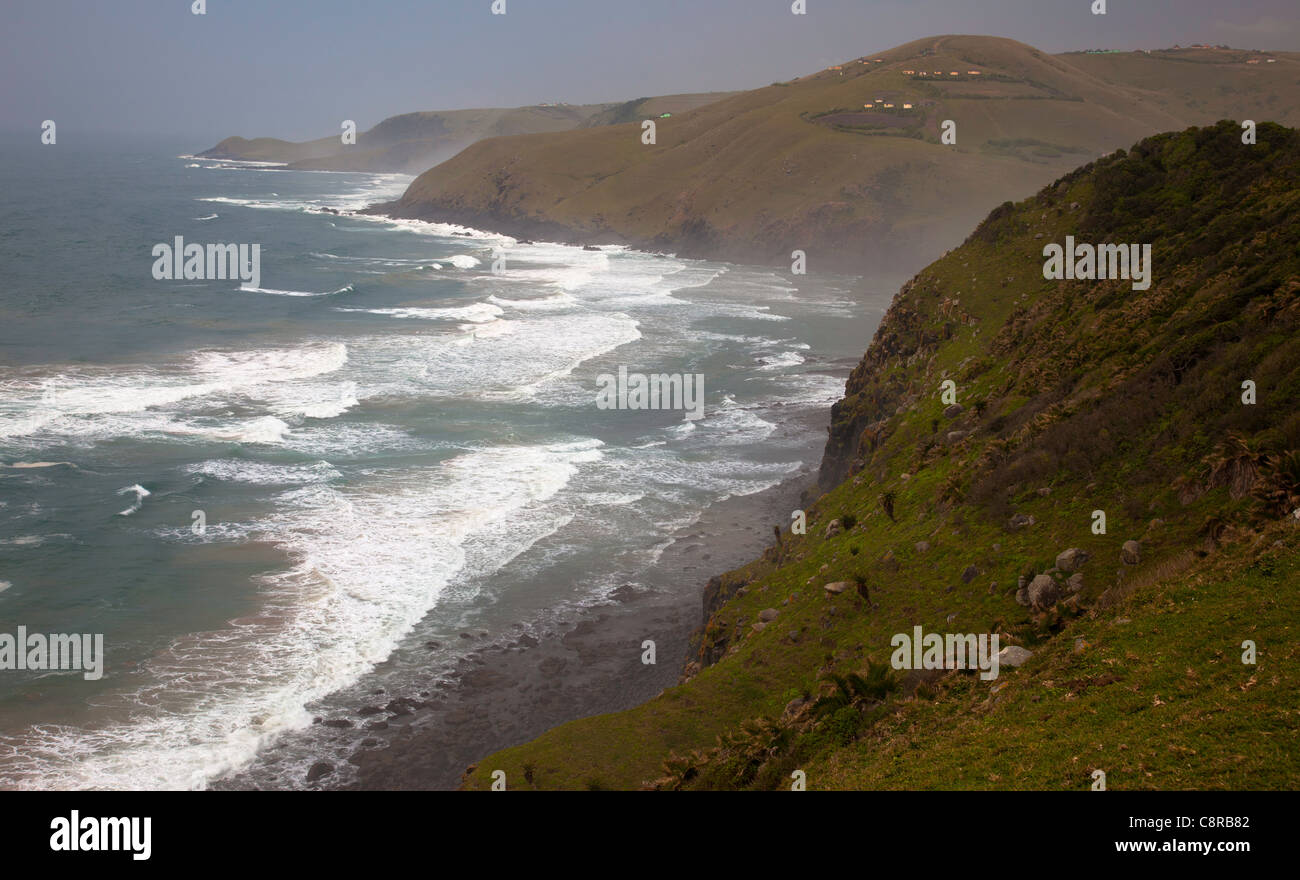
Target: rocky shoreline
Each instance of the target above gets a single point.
(505, 695)
(505, 689)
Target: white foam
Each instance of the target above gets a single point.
(476, 313)
(313, 401)
(496, 360)
(563, 300)
(347, 288)
(91, 404)
(239, 470)
(781, 361)
(368, 562)
(490, 330)
(141, 493)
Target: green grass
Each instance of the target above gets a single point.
(1107, 399)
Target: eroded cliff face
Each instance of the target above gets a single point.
(859, 419)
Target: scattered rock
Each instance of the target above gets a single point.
(794, 708)
(767, 615)
(922, 546)
(1013, 656)
(1043, 592)
(1021, 521)
(969, 574)
(1131, 553)
(954, 410)
(837, 587)
(1075, 582)
(1080, 645)
(402, 706)
(338, 722)
(1069, 560)
(957, 436)
(625, 593)
(318, 770)
(759, 627)
(1044, 491)
(834, 528)
(889, 561)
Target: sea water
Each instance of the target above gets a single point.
(257, 495)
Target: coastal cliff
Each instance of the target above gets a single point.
(1110, 485)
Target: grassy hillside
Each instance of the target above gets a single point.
(1073, 397)
(805, 165)
(414, 142)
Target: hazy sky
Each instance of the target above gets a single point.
(296, 68)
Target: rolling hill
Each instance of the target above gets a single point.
(806, 165)
(413, 142)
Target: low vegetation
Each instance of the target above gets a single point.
(1162, 650)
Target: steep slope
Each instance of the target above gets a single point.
(1073, 397)
(805, 165)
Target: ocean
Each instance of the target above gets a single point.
(269, 499)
